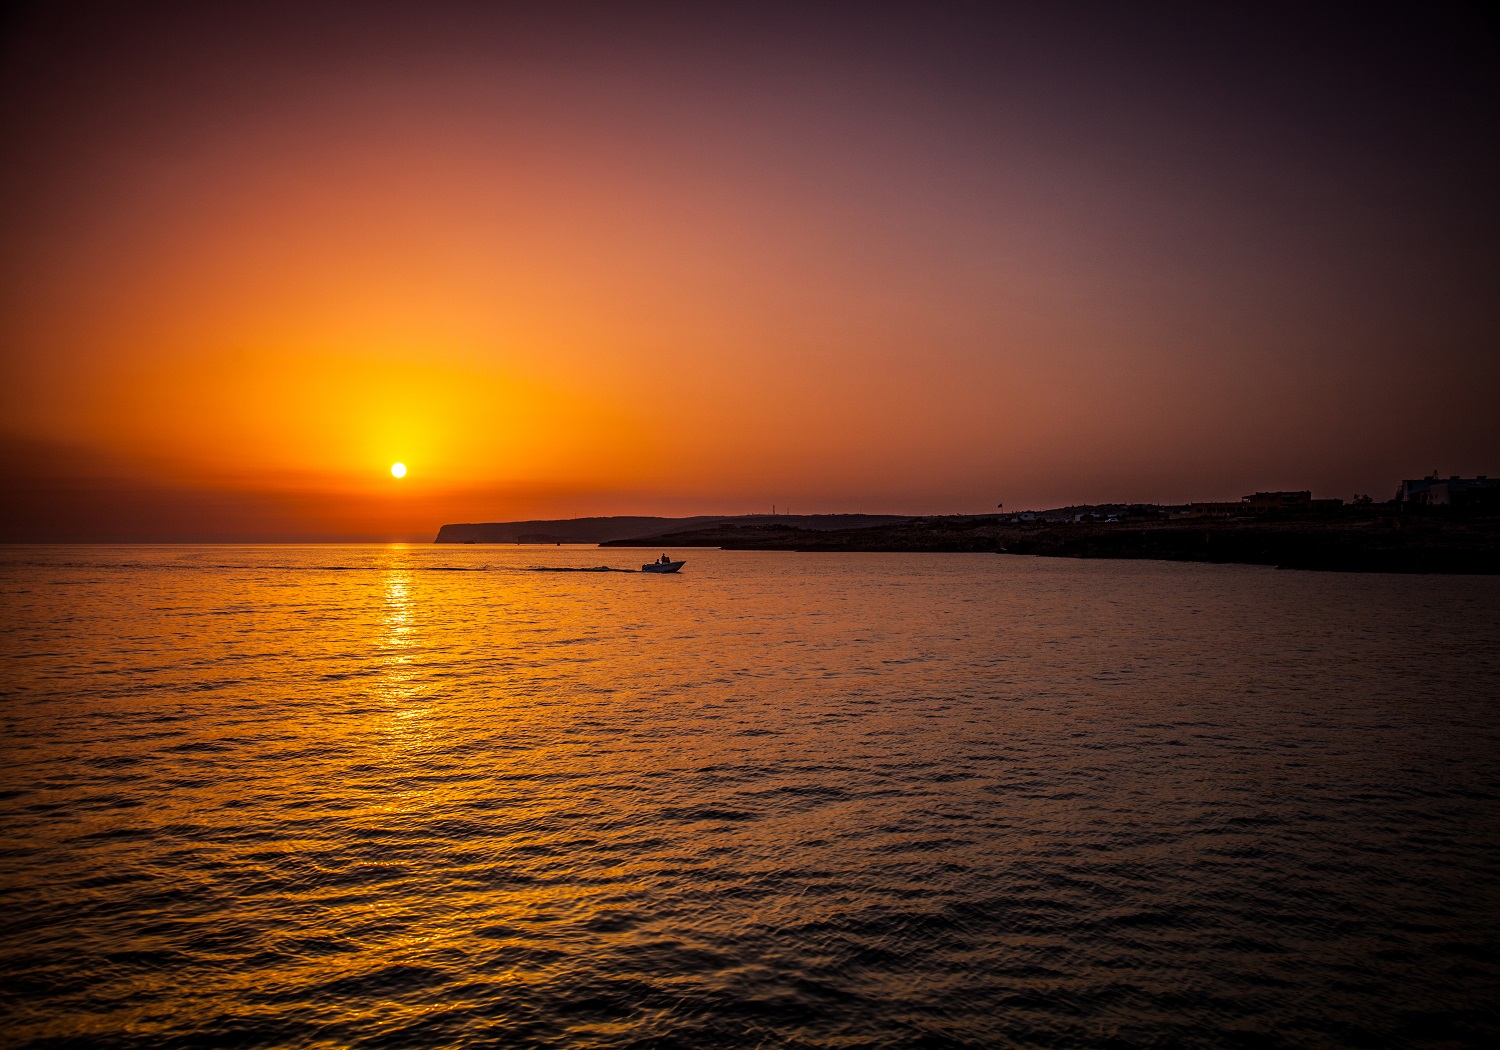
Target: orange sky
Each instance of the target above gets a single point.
(567, 265)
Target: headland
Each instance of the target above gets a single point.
(625, 529)
(1422, 530)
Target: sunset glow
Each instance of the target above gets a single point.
(749, 524)
(672, 266)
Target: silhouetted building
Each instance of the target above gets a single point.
(1218, 510)
(1433, 491)
(1260, 502)
(1299, 502)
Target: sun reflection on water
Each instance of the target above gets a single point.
(400, 645)
(426, 796)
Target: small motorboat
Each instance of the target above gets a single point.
(664, 564)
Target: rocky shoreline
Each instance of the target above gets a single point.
(1368, 541)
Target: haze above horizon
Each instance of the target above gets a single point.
(566, 260)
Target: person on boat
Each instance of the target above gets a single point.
(665, 560)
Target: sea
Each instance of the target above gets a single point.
(437, 796)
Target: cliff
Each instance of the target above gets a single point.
(625, 529)
(1358, 541)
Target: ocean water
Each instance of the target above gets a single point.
(427, 797)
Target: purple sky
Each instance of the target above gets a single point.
(892, 257)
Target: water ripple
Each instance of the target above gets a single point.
(397, 797)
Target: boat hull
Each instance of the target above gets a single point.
(656, 566)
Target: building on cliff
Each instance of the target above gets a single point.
(1454, 491)
(1298, 502)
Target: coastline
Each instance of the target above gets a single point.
(1370, 541)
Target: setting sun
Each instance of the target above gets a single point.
(1125, 365)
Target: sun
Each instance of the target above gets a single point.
(398, 470)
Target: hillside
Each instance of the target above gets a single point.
(1365, 540)
(625, 529)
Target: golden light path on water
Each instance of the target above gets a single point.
(402, 796)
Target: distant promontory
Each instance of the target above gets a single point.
(1412, 533)
(624, 529)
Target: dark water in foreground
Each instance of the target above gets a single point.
(407, 797)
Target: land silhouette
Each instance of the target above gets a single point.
(1363, 536)
(625, 529)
